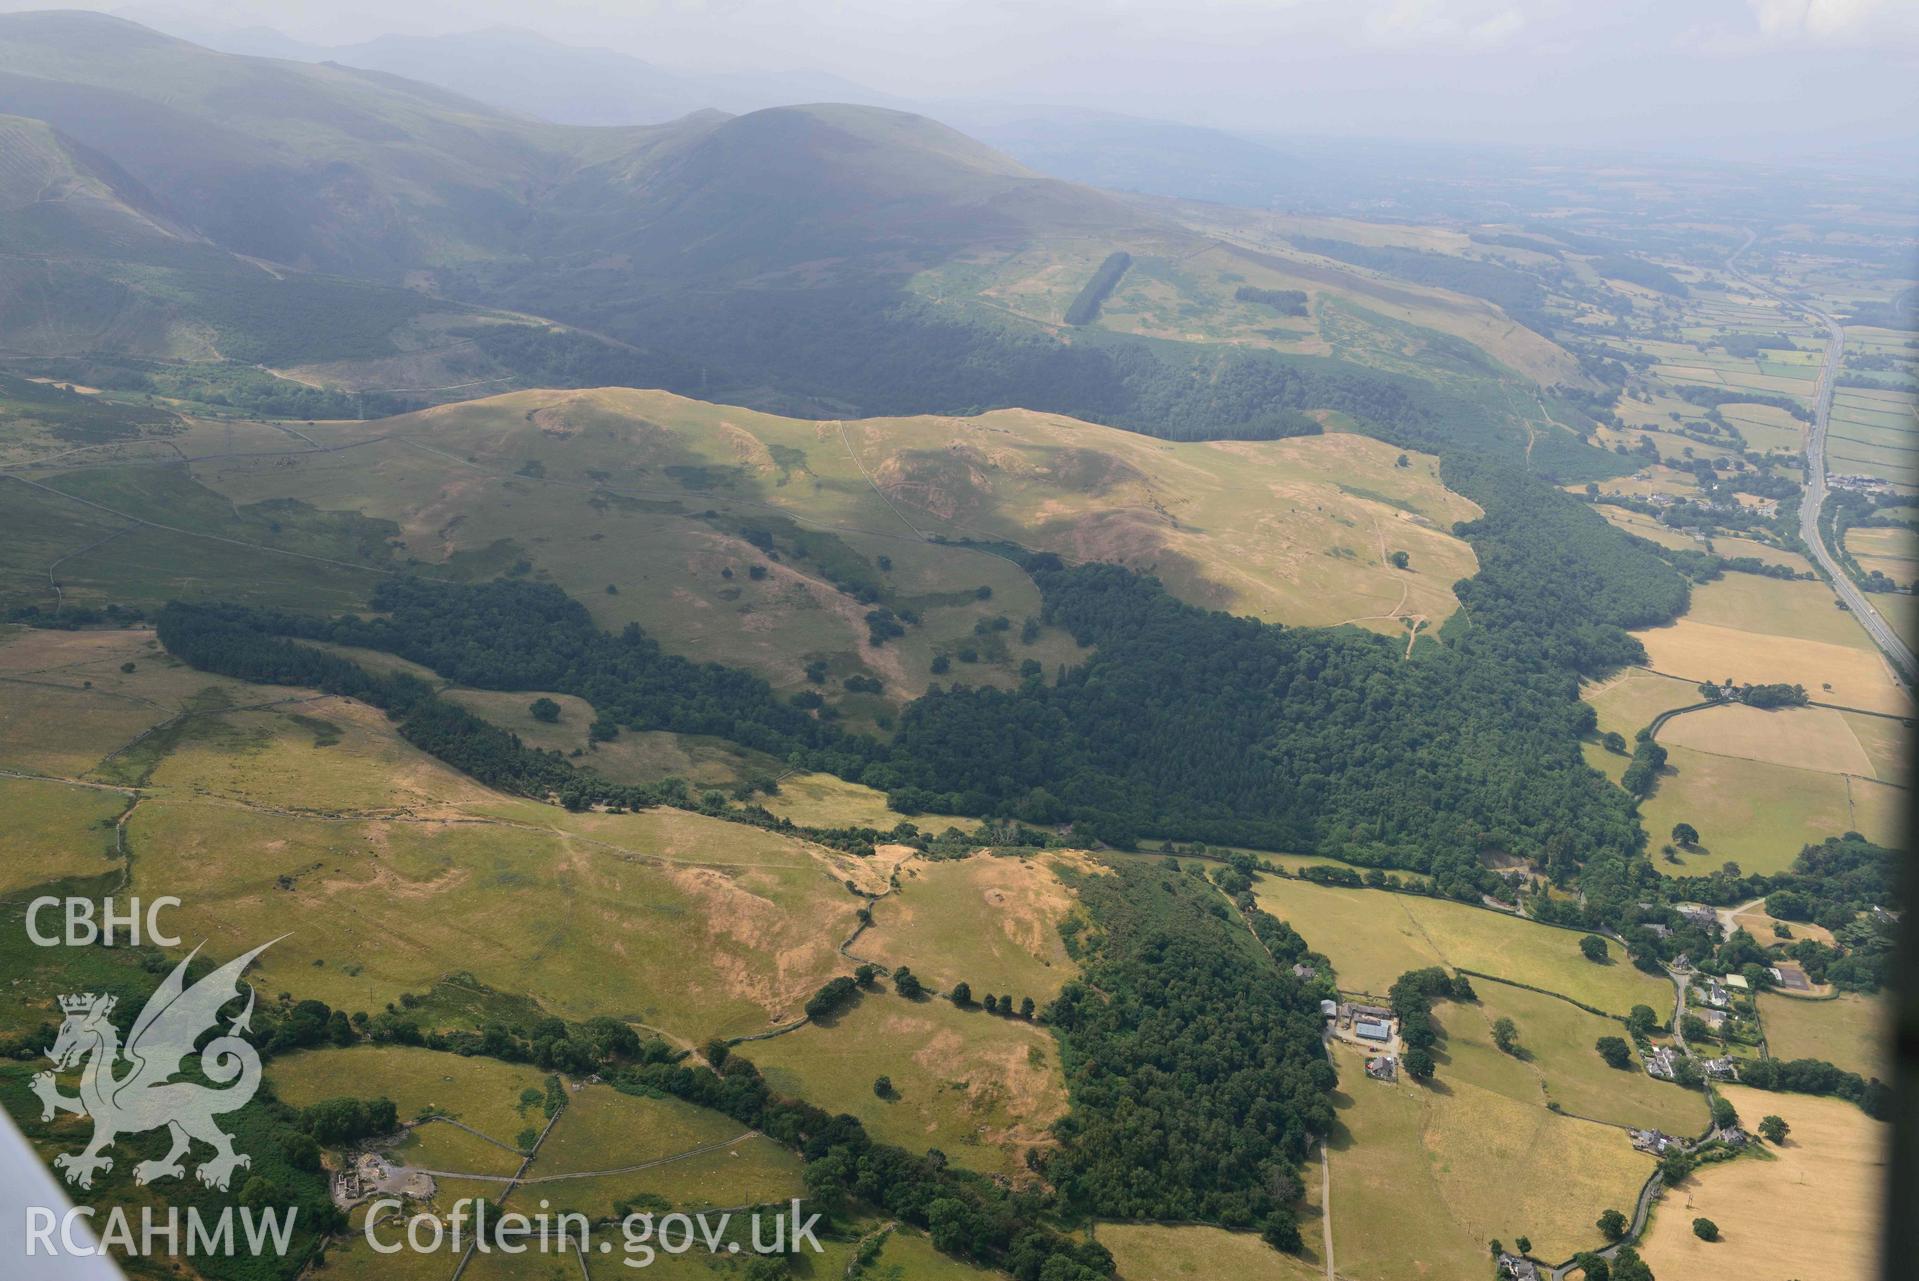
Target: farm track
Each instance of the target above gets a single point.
(517, 1181)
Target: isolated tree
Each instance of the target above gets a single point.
(1505, 1034)
(992, 1003)
(1612, 1225)
(962, 995)
(907, 984)
(1614, 1050)
(1525, 1244)
(1419, 1064)
(1614, 742)
(865, 974)
(1026, 1012)
(1705, 1229)
(1773, 1129)
(1593, 948)
(1642, 1021)
(1402, 461)
(1280, 1229)
(1674, 1167)
(1686, 834)
(1400, 560)
(883, 1086)
(1496, 1246)
(1628, 1266)
(544, 709)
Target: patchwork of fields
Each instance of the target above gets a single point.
(1372, 937)
(1835, 1159)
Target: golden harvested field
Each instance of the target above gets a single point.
(1628, 702)
(1424, 1176)
(826, 800)
(1373, 937)
(1756, 814)
(1893, 552)
(1734, 548)
(55, 830)
(1760, 925)
(1887, 743)
(1853, 1031)
(1837, 673)
(990, 922)
(1881, 811)
(1152, 1252)
(1813, 1211)
(1815, 738)
(979, 1087)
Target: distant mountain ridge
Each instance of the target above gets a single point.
(533, 75)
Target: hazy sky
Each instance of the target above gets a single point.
(1748, 76)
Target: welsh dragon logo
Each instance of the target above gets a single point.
(145, 1096)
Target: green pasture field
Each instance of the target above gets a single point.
(1372, 937)
(1749, 812)
(1765, 427)
(991, 922)
(908, 1255)
(1628, 701)
(585, 927)
(642, 756)
(55, 831)
(209, 548)
(604, 1130)
(69, 704)
(316, 755)
(1157, 1252)
(1560, 1065)
(979, 1087)
(1771, 606)
(480, 1092)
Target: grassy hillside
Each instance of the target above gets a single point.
(765, 541)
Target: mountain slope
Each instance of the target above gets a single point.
(810, 259)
